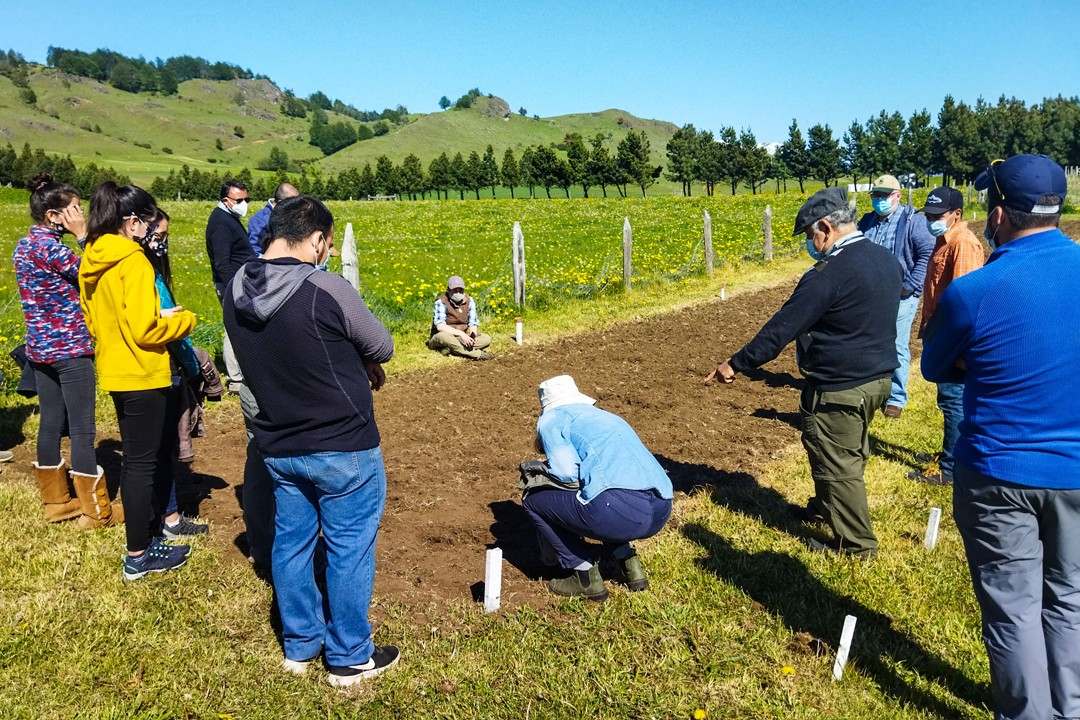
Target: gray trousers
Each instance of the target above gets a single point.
(258, 492)
(1023, 549)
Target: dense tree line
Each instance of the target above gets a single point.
(962, 142)
(573, 162)
(138, 74)
(18, 168)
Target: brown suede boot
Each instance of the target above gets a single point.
(52, 484)
(97, 511)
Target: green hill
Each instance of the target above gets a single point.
(95, 122)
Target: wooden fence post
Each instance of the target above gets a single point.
(519, 265)
(627, 252)
(350, 269)
(767, 226)
(709, 258)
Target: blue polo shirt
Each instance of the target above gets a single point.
(1015, 325)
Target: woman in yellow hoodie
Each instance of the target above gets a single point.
(131, 333)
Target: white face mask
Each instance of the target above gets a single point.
(457, 297)
(240, 209)
(321, 264)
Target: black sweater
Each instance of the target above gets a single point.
(302, 337)
(227, 245)
(842, 316)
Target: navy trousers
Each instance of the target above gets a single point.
(614, 517)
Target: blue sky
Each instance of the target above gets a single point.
(748, 64)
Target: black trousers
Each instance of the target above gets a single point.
(66, 397)
(148, 433)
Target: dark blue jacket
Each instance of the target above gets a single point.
(913, 247)
(1013, 323)
(258, 227)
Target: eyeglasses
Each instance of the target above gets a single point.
(135, 217)
(993, 176)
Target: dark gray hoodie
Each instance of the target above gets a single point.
(302, 337)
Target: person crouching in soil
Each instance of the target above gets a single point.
(599, 482)
(454, 326)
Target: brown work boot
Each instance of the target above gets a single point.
(892, 411)
(97, 511)
(53, 487)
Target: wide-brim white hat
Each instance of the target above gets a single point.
(561, 390)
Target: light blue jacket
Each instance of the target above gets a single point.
(599, 450)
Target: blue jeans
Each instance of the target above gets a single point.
(904, 317)
(1022, 550)
(950, 400)
(342, 494)
(615, 517)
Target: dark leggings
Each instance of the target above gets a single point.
(148, 433)
(66, 397)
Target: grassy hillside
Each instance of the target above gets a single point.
(70, 111)
(477, 127)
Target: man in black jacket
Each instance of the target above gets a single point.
(842, 317)
(311, 352)
(228, 247)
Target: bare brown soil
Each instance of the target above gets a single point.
(453, 438)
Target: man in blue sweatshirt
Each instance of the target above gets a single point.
(1009, 332)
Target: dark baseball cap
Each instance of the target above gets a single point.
(942, 200)
(1022, 180)
(822, 203)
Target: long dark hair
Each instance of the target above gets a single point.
(46, 195)
(161, 264)
(112, 203)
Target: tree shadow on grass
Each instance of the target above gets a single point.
(785, 587)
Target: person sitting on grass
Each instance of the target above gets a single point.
(454, 327)
(604, 484)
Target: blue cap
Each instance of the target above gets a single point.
(1022, 180)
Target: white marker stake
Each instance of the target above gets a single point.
(723, 293)
(932, 528)
(845, 647)
(519, 331)
(492, 580)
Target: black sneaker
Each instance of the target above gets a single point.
(159, 557)
(381, 660)
(810, 514)
(186, 527)
(930, 478)
(831, 548)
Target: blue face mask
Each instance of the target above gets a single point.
(882, 206)
(938, 228)
(813, 251)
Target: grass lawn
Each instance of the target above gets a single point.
(740, 622)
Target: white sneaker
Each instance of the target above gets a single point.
(381, 660)
(296, 667)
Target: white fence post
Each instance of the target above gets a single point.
(519, 265)
(767, 227)
(492, 580)
(350, 269)
(709, 257)
(627, 252)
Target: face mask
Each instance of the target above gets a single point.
(156, 244)
(882, 206)
(457, 297)
(938, 228)
(321, 264)
(991, 237)
(240, 209)
(813, 251)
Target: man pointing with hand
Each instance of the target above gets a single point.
(842, 317)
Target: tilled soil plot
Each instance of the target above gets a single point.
(453, 438)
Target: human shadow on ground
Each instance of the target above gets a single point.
(785, 587)
(739, 492)
(789, 418)
(775, 379)
(515, 533)
(192, 488)
(12, 420)
(896, 453)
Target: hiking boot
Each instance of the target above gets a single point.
(52, 482)
(634, 573)
(185, 527)
(581, 583)
(93, 493)
(892, 412)
(810, 514)
(381, 660)
(930, 478)
(6, 456)
(159, 557)
(832, 548)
